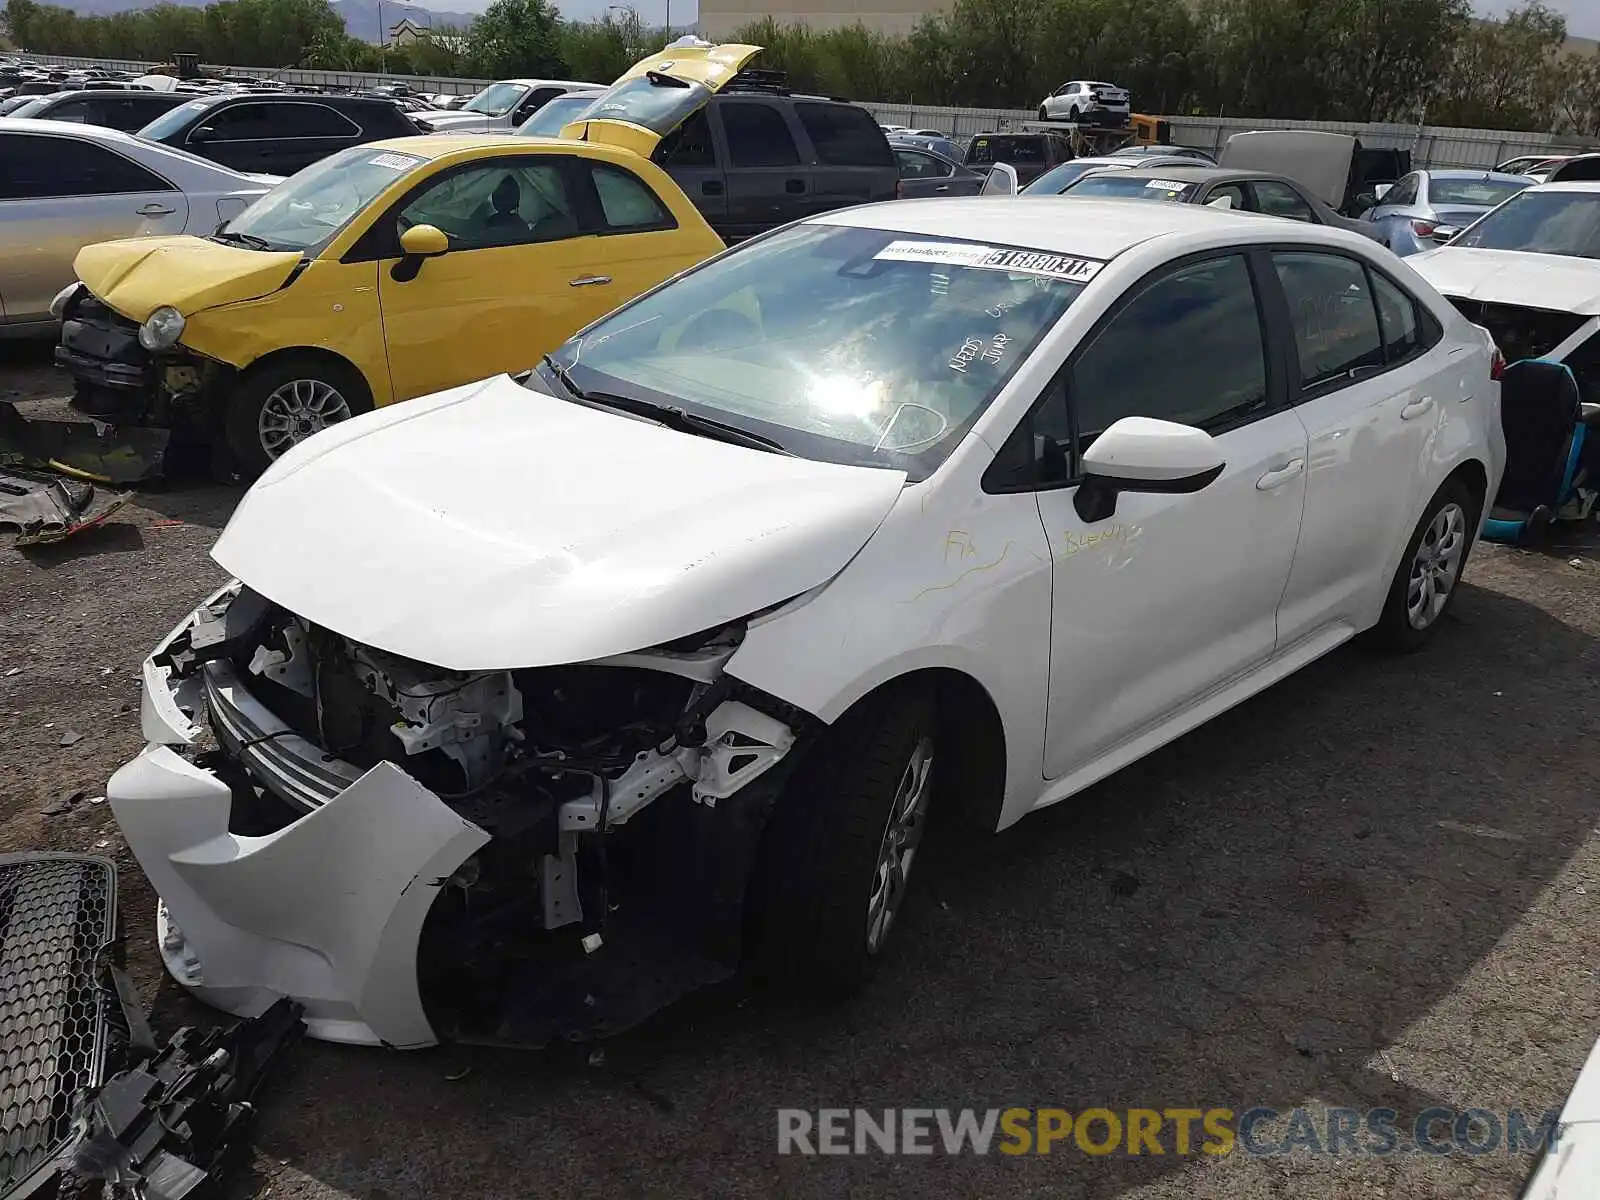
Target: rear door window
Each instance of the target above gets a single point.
(844, 136)
(757, 134)
(1280, 200)
(39, 167)
(689, 145)
(1335, 318)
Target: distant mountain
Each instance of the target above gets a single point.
(361, 17)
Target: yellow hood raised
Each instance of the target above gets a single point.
(709, 67)
(136, 276)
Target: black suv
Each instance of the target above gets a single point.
(273, 134)
(1031, 154)
(114, 108)
(758, 156)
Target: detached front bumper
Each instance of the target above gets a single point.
(327, 910)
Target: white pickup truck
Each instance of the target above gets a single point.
(504, 105)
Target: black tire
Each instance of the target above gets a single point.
(257, 385)
(811, 893)
(1044, 114)
(1396, 631)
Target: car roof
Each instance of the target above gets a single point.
(1570, 185)
(1092, 228)
(77, 129)
(566, 83)
(1202, 174)
(433, 146)
(1460, 173)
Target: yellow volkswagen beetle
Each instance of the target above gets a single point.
(383, 272)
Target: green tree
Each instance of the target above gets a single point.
(517, 37)
(1504, 74)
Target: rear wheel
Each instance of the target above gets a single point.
(832, 882)
(1426, 582)
(283, 402)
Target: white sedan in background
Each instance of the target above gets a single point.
(664, 653)
(65, 185)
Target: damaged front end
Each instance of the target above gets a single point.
(142, 399)
(413, 853)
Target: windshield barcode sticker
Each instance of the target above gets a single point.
(1166, 185)
(1034, 262)
(965, 254)
(993, 258)
(395, 162)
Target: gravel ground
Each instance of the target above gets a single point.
(1377, 885)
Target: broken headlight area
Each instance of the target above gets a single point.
(623, 801)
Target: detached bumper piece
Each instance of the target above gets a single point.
(58, 917)
(92, 449)
(47, 508)
(168, 1128)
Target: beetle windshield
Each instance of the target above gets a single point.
(308, 209)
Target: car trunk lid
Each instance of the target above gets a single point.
(658, 94)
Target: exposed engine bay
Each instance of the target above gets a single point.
(623, 801)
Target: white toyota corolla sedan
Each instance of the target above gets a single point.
(542, 700)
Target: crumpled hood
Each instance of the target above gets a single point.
(491, 527)
(138, 275)
(1550, 281)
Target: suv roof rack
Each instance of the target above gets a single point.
(753, 79)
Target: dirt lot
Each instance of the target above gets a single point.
(1378, 885)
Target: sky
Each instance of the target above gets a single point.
(1583, 16)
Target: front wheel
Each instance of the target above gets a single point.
(1426, 582)
(831, 883)
(1044, 113)
(282, 403)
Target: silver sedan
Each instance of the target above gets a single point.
(1410, 214)
(66, 186)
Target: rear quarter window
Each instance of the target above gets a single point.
(845, 136)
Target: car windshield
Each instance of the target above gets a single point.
(843, 344)
(1056, 180)
(1566, 223)
(1132, 187)
(1484, 192)
(173, 120)
(555, 116)
(495, 100)
(307, 210)
(998, 148)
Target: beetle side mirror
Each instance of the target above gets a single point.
(1142, 454)
(417, 245)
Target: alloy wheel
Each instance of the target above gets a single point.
(1436, 566)
(295, 410)
(902, 834)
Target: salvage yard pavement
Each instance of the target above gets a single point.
(1376, 885)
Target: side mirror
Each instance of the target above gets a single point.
(417, 245)
(1443, 233)
(1001, 181)
(1223, 201)
(1142, 454)
(1382, 190)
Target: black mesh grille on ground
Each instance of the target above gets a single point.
(57, 915)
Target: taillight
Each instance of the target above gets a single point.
(1497, 364)
(899, 189)
(1424, 228)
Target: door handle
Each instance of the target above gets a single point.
(1416, 408)
(588, 280)
(156, 210)
(711, 187)
(1279, 476)
(943, 187)
(794, 187)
